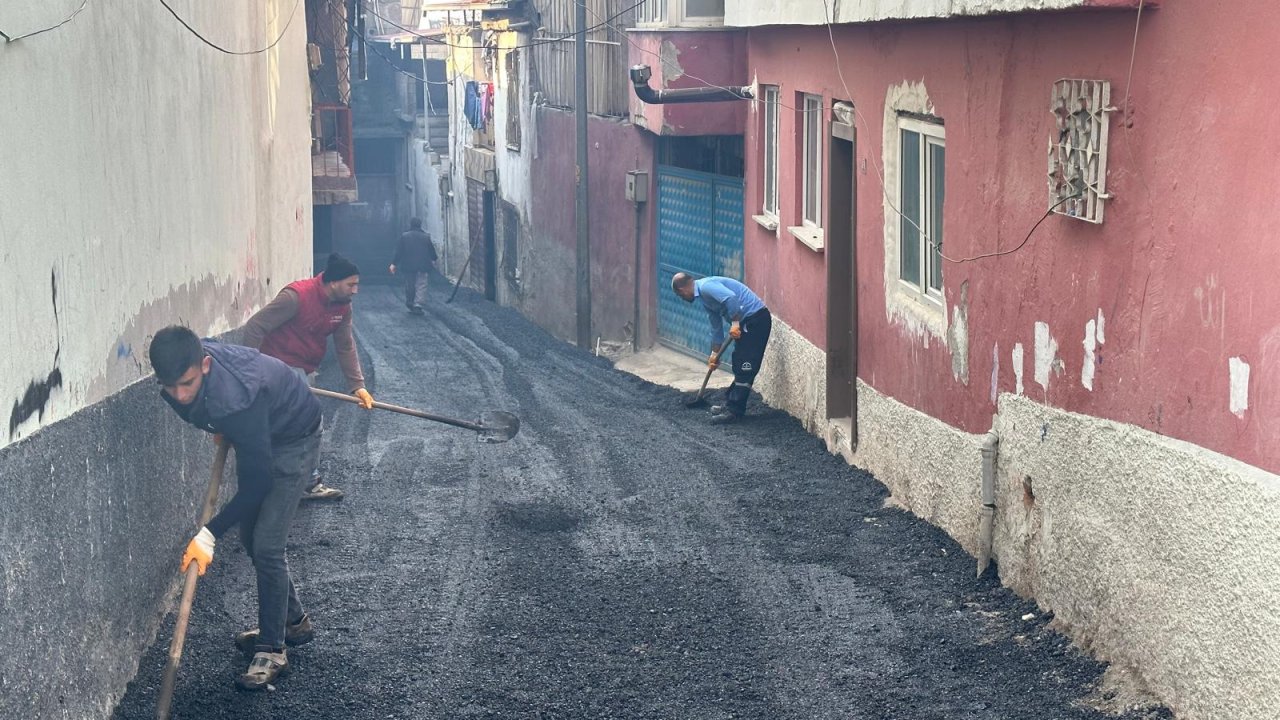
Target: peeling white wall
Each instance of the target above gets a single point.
(152, 178)
(751, 13)
(1155, 555)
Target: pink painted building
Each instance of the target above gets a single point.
(1125, 355)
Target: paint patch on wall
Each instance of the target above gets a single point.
(1017, 367)
(1239, 371)
(1046, 354)
(1094, 335)
(958, 336)
(995, 372)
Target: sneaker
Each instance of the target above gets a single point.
(263, 669)
(320, 491)
(299, 633)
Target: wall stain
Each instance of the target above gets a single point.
(34, 401)
(36, 398)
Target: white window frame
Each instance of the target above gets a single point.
(672, 13)
(811, 117)
(769, 146)
(931, 134)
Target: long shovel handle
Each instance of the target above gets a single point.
(404, 410)
(189, 592)
(719, 353)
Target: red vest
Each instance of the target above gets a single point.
(301, 342)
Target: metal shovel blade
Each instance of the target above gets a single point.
(497, 426)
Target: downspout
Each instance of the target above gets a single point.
(987, 514)
(640, 75)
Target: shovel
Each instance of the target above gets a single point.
(189, 592)
(494, 426)
(698, 400)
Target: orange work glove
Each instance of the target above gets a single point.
(199, 551)
(713, 361)
(366, 400)
(735, 330)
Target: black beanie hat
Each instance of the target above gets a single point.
(339, 268)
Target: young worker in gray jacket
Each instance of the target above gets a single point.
(267, 413)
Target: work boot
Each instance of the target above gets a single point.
(264, 668)
(320, 491)
(299, 633)
(724, 418)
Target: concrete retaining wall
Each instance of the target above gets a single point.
(96, 511)
(147, 179)
(1155, 555)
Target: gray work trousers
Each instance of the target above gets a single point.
(415, 289)
(266, 532)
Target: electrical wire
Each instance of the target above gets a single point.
(884, 190)
(623, 34)
(695, 78)
(539, 43)
(1128, 117)
(373, 46)
(221, 49)
(69, 18)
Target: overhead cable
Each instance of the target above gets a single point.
(227, 51)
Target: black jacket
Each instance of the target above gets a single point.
(415, 252)
(256, 402)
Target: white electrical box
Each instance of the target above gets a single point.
(638, 186)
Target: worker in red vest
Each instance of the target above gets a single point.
(295, 328)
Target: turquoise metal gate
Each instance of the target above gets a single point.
(699, 232)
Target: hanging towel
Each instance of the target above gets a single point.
(471, 105)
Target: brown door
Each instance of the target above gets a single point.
(842, 277)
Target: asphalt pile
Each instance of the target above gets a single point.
(620, 558)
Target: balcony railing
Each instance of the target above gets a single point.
(333, 160)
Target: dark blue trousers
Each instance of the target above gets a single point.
(748, 353)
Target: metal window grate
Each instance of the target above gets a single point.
(1078, 149)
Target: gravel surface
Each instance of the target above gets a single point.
(620, 558)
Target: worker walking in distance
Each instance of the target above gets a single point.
(414, 259)
(295, 328)
(727, 300)
(267, 413)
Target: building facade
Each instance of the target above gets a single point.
(511, 170)
(1019, 217)
(149, 179)
(1025, 225)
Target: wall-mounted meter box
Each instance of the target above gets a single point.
(638, 186)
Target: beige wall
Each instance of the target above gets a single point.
(152, 178)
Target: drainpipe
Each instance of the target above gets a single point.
(640, 75)
(986, 518)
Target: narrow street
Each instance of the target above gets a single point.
(620, 558)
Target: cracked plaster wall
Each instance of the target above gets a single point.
(147, 180)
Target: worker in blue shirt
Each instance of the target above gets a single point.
(727, 300)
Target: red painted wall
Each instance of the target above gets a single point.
(614, 148)
(685, 59)
(1181, 270)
